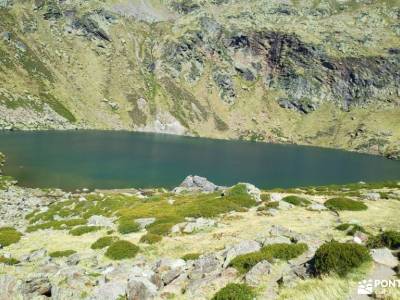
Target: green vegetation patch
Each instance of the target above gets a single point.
(104, 242)
(5, 182)
(57, 106)
(265, 197)
(191, 256)
(243, 263)
(188, 205)
(350, 229)
(62, 253)
(57, 225)
(340, 258)
(235, 291)
(9, 261)
(122, 250)
(81, 230)
(151, 238)
(297, 201)
(130, 208)
(389, 239)
(127, 225)
(8, 236)
(340, 204)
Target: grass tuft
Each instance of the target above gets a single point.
(340, 204)
(243, 263)
(122, 250)
(350, 229)
(191, 256)
(389, 239)
(235, 291)
(81, 230)
(150, 238)
(62, 253)
(339, 258)
(126, 226)
(8, 236)
(296, 200)
(9, 261)
(103, 242)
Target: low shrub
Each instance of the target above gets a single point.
(265, 197)
(150, 238)
(57, 225)
(62, 253)
(235, 291)
(350, 228)
(274, 204)
(389, 239)
(345, 204)
(340, 258)
(296, 200)
(122, 250)
(191, 256)
(8, 261)
(103, 242)
(160, 228)
(81, 230)
(243, 263)
(8, 236)
(126, 226)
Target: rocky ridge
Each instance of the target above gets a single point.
(321, 74)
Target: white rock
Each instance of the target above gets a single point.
(254, 192)
(100, 221)
(144, 222)
(241, 248)
(140, 288)
(372, 196)
(285, 205)
(256, 274)
(276, 197)
(385, 257)
(316, 207)
(109, 290)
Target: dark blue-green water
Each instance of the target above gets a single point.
(97, 159)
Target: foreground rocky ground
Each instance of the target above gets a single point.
(192, 242)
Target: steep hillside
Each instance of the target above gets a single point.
(304, 72)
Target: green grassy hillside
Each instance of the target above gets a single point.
(307, 72)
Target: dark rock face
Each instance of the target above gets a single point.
(304, 72)
(308, 75)
(92, 27)
(184, 6)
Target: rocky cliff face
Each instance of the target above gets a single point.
(319, 74)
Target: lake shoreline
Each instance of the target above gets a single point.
(124, 159)
(83, 129)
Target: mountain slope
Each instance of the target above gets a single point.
(280, 71)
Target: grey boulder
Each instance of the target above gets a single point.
(196, 184)
(385, 257)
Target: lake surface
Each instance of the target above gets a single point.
(97, 159)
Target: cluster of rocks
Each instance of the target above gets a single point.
(141, 279)
(17, 202)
